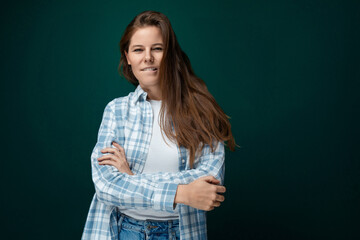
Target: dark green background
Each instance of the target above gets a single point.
(287, 72)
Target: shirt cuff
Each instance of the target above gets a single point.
(164, 196)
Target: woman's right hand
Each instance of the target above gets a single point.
(201, 193)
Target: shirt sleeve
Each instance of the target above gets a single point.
(209, 163)
(150, 190)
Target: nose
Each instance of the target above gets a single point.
(148, 56)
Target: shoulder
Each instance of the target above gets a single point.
(120, 105)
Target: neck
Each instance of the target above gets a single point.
(153, 93)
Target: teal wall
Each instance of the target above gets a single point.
(287, 72)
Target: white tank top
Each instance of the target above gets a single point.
(162, 157)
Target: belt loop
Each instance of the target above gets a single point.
(120, 221)
(170, 229)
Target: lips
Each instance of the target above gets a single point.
(149, 69)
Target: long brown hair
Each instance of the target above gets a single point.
(190, 109)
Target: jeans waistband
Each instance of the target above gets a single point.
(148, 225)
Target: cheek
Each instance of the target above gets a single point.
(134, 60)
(159, 57)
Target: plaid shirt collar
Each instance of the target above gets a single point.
(139, 94)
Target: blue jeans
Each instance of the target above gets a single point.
(132, 229)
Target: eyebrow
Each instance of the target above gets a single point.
(142, 45)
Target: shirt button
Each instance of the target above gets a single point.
(183, 161)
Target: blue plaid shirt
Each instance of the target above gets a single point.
(128, 121)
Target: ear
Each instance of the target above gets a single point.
(127, 58)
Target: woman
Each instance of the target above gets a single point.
(158, 164)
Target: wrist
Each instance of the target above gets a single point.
(181, 194)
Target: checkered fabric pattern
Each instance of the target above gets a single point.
(128, 121)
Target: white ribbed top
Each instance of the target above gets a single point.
(162, 157)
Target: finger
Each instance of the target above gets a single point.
(107, 162)
(216, 204)
(220, 189)
(111, 150)
(118, 146)
(110, 157)
(212, 180)
(209, 209)
(220, 198)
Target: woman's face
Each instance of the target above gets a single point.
(145, 54)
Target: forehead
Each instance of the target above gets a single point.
(146, 36)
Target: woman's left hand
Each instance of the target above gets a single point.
(117, 158)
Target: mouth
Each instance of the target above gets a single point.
(150, 69)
